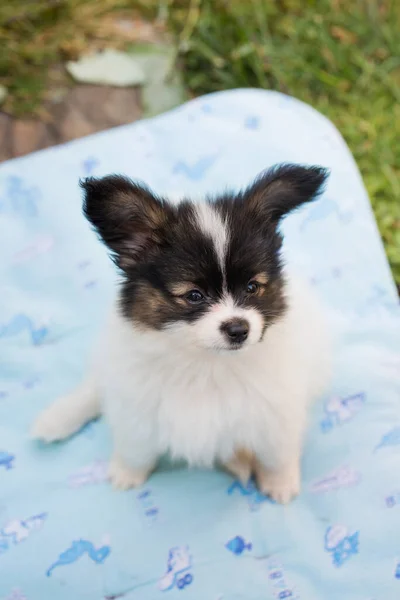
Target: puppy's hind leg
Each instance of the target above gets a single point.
(68, 414)
(241, 465)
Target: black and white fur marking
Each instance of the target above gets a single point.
(213, 351)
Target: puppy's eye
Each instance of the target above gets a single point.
(252, 287)
(194, 297)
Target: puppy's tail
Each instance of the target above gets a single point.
(68, 414)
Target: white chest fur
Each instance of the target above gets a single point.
(163, 394)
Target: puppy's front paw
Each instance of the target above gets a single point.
(123, 477)
(281, 486)
(52, 425)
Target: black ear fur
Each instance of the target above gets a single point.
(129, 217)
(283, 188)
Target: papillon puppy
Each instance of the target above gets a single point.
(213, 351)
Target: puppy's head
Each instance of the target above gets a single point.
(210, 270)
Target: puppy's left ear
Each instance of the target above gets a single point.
(278, 191)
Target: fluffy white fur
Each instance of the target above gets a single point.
(175, 391)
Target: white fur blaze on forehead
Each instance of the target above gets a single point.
(212, 225)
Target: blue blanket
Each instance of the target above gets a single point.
(64, 533)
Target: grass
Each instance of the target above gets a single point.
(341, 56)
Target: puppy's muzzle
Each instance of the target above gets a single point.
(236, 331)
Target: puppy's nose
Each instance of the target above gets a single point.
(236, 330)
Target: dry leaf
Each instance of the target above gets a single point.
(343, 35)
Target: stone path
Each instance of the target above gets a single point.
(81, 110)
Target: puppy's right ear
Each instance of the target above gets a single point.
(128, 217)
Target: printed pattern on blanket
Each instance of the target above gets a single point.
(64, 533)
